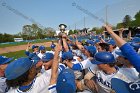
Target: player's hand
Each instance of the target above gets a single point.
(90, 58)
(64, 35)
(29, 44)
(91, 85)
(108, 28)
(121, 30)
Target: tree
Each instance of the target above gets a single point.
(50, 32)
(136, 22)
(70, 32)
(137, 16)
(97, 30)
(127, 21)
(119, 25)
(75, 32)
(27, 32)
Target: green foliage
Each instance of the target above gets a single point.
(75, 32)
(71, 32)
(97, 30)
(119, 25)
(136, 22)
(127, 21)
(6, 38)
(50, 32)
(33, 31)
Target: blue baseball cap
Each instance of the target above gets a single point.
(4, 60)
(53, 46)
(97, 40)
(112, 42)
(91, 42)
(34, 46)
(92, 50)
(18, 67)
(136, 40)
(66, 82)
(41, 47)
(121, 86)
(47, 57)
(103, 58)
(67, 55)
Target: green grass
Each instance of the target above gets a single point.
(22, 43)
(18, 54)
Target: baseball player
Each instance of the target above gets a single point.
(128, 69)
(42, 51)
(47, 62)
(34, 49)
(3, 64)
(90, 52)
(126, 49)
(103, 47)
(113, 47)
(104, 71)
(65, 82)
(53, 46)
(21, 77)
(132, 56)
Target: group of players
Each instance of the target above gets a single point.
(100, 66)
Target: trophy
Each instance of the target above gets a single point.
(62, 28)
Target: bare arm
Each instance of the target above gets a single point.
(55, 64)
(65, 45)
(121, 33)
(119, 41)
(28, 46)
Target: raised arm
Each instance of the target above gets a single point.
(119, 40)
(27, 49)
(131, 54)
(55, 64)
(65, 45)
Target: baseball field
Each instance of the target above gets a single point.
(17, 50)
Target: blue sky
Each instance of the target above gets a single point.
(50, 13)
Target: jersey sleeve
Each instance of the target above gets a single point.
(27, 53)
(131, 55)
(52, 88)
(82, 65)
(61, 67)
(93, 68)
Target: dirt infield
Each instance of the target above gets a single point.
(20, 47)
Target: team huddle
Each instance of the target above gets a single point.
(95, 66)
